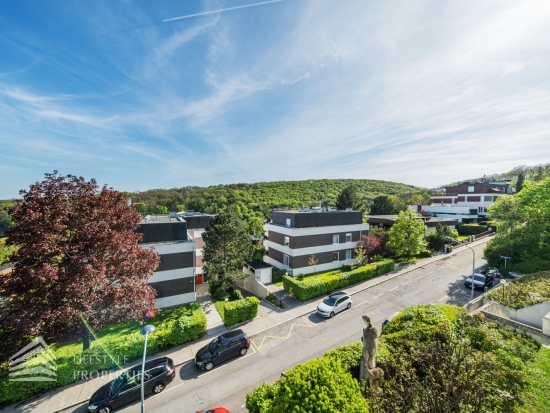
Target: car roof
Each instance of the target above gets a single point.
(152, 363)
(231, 334)
(338, 294)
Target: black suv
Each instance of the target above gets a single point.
(127, 387)
(483, 282)
(228, 345)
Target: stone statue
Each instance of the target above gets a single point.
(368, 370)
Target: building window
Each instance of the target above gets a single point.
(470, 189)
(286, 260)
(348, 255)
(287, 241)
(335, 256)
(348, 237)
(488, 199)
(288, 222)
(335, 239)
(465, 199)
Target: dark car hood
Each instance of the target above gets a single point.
(102, 393)
(203, 354)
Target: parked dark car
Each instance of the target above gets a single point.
(481, 281)
(127, 387)
(222, 348)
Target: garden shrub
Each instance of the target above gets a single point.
(471, 229)
(123, 341)
(349, 355)
(346, 267)
(425, 254)
(237, 294)
(277, 275)
(532, 266)
(313, 286)
(528, 290)
(241, 310)
(320, 385)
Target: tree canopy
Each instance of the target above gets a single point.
(77, 256)
(348, 198)
(407, 235)
(387, 205)
(227, 244)
(524, 228)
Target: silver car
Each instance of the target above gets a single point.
(333, 304)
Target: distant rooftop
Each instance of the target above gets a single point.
(172, 217)
(257, 264)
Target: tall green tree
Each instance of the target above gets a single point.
(407, 235)
(520, 181)
(348, 198)
(524, 230)
(227, 245)
(386, 205)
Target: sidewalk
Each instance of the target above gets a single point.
(79, 392)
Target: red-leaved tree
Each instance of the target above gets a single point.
(78, 257)
(369, 246)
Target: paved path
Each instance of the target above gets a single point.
(270, 319)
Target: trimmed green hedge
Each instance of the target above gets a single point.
(314, 286)
(471, 229)
(123, 342)
(277, 275)
(240, 310)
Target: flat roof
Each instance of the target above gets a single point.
(256, 263)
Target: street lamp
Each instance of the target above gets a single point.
(505, 259)
(145, 331)
(473, 262)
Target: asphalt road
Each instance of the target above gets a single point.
(299, 340)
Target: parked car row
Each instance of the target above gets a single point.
(159, 372)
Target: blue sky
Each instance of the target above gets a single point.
(424, 92)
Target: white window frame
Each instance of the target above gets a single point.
(337, 256)
(336, 237)
(348, 254)
(471, 188)
(286, 260)
(288, 222)
(287, 241)
(348, 235)
(487, 200)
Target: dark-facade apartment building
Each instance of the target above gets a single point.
(311, 240)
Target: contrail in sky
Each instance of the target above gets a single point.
(220, 10)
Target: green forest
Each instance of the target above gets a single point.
(258, 199)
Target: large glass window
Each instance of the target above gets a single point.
(335, 239)
(348, 255)
(470, 189)
(488, 198)
(348, 237)
(335, 256)
(286, 260)
(287, 241)
(288, 222)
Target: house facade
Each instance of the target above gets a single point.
(312, 240)
(467, 201)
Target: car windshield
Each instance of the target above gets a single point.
(213, 345)
(478, 278)
(330, 300)
(118, 383)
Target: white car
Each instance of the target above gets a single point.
(333, 304)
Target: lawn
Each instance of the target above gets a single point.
(463, 238)
(537, 395)
(220, 306)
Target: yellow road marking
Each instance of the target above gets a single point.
(308, 324)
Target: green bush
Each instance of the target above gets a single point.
(277, 275)
(241, 310)
(123, 342)
(346, 267)
(349, 355)
(524, 292)
(314, 286)
(471, 229)
(425, 254)
(531, 266)
(320, 385)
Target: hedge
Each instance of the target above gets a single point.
(524, 292)
(123, 341)
(471, 229)
(529, 267)
(314, 286)
(277, 275)
(240, 310)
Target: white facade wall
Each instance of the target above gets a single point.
(546, 325)
(532, 315)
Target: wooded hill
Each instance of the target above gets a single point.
(258, 199)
